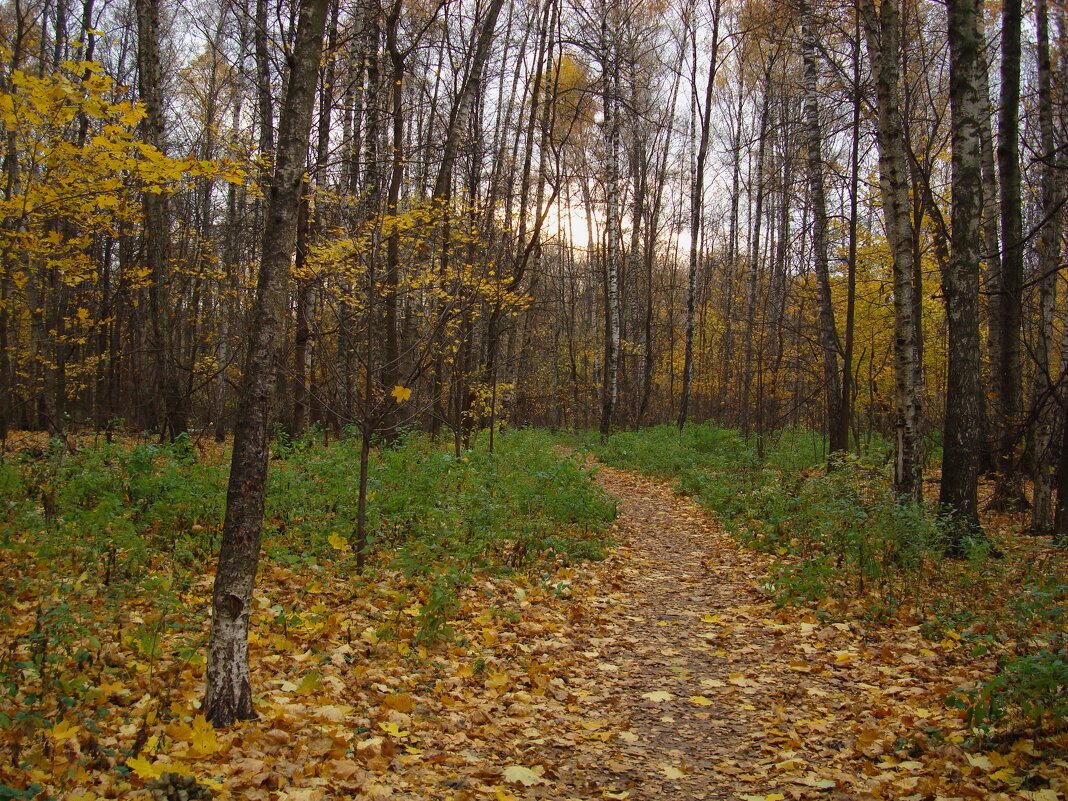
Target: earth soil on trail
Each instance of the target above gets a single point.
(720, 695)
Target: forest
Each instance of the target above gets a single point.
(533, 399)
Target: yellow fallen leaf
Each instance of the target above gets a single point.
(671, 772)
(700, 700)
(311, 683)
(204, 741)
(517, 774)
(145, 769)
(63, 731)
(332, 713)
(393, 730)
(402, 702)
(1003, 775)
(658, 696)
(1041, 795)
(337, 542)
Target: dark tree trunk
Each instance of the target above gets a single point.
(696, 215)
(156, 227)
(1007, 311)
(1048, 246)
(837, 433)
(960, 282)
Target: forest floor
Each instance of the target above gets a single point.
(663, 672)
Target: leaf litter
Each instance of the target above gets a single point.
(663, 672)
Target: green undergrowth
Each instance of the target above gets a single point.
(115, 511)
(845, 544)
(837, 534)
(103, 545)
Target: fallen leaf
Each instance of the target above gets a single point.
(517, 774)
(145, 769)
(63, 731)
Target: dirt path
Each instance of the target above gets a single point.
(723, 699)
(682, 568)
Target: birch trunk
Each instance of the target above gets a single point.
(228, 696)
(609, 90)
(883, 34)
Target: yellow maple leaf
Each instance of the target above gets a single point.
(700, 700)
(393, 730)
(401, 394)
(204, 741)
(63, 731)
(517, 774)
(145, 769)
(337, 542)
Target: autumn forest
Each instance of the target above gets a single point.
(433, 326)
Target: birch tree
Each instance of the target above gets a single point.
(228, 695)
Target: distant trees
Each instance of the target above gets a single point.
(559, 213)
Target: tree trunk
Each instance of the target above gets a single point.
(1007, 312)
(156, 225)
(609, 90)
(837, 434)
(697, 213)
(882, 29)
(1048, 246)
(962, 442)
(228, 696)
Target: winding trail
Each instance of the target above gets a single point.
(696, 662)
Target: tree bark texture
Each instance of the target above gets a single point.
(883, 34)
(1048, 246)
(961, 441)
(228, 696)
(832, 385)
(1007, 310)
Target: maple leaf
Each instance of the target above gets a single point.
(401, 394)
(63, 731)
(145, 769)
(671, 772)
(700, 700)
(204, 741)
(402, 702)
(393, 730)
(658, 696)
(337, 542)
(517, 774)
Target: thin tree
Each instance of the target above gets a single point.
(882, 29)
(697, 210)
(1007, 309)
(837, 430)
(228, 696)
